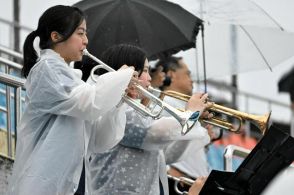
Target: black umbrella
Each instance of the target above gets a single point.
(157, 26)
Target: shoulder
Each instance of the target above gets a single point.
(53, 72)
(48, 65)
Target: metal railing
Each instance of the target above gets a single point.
(11, 88)
(11, 32)
(230, 152)
(14, 24)
(11, 53)
(230, 88)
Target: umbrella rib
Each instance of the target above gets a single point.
(267, 14)
(256, 46)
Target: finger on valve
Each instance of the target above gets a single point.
(206, 115)
(132, 90)
(196, 102)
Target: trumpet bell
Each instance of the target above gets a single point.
(261, 122)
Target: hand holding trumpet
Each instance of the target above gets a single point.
(198, 102)
(132, 90)
(260, 121)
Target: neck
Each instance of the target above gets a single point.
(60, 52)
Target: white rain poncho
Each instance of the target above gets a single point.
(135, 165)
(62, 113)
(193, 161)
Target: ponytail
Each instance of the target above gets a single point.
(60, 18)
(29, 54)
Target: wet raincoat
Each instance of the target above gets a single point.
(193, 161)
(64, 118)
(136, 164)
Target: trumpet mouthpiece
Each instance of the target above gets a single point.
(85, 52)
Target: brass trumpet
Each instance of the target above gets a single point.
(182, 117)
(260, 121)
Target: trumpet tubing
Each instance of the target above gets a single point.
(182, 118)
(178, 180)
(260, 121)
(184, 180)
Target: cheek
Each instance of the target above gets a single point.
(187, 79)
(144, 78)
(77, 41)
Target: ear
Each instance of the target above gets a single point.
(170, 74)
(55, 37)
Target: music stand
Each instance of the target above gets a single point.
(274, 152)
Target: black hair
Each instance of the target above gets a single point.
(115, 57)
(121, 54)
(169, 63)
(60, 18)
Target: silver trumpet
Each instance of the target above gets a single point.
(182, 117)
(178, 180)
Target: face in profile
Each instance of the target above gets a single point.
(145, 77)
(144, 81)
(181, 79)
(72, 48)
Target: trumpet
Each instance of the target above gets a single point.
(178, 180)
(261, 122)
(182, 117)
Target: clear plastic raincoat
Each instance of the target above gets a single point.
(136, 164)
(63, 116)
(193, 161)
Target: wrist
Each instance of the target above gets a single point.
(194, 115)
(190, 120)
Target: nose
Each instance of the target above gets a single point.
(149, 77)
(190, 79)
(85, 40)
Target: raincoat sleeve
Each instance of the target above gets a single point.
(107, 131)
(177, 150)
(148, 134)
(57, 90)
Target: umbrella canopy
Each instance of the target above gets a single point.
(243, 35)
(157, 26)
